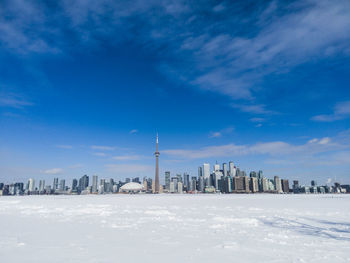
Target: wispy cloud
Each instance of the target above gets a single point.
(53, 171)
(100, 154)
(215, 134)
(256, 119)
(133, 131)
(274, 148)
(341, 111)
(13, 100)
(220, 133)
(253, 109)
(103, 148)
(64, 146)
(127, 157)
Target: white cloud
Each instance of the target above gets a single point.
(127, 157)
(64, 146)
(215, 134)
(256, 109)
(341, 111)
(101, 154)
(324, 140)
(133, 131)
(257, 119)
(13, 100)
(274, 148)
(53, 171)
(102, 148)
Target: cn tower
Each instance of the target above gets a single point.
(156, 181)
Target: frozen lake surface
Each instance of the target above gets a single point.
(175, 228)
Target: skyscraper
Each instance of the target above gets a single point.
(94, 183)
(62, 185)
(200, 171)
(83, 183)
(206, 174)
(167, 180)
(224, 169)
(31, 184)
(232, 169)
(55, 184)
(156, 186)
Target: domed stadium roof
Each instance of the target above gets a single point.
(131, 187)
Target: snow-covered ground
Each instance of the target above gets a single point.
(175, 228)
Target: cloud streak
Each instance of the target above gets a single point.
(341, 111)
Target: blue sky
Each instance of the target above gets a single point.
(85, 86)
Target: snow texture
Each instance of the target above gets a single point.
(175, 228)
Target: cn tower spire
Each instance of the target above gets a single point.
(156, 181)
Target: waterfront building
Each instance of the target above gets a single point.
(94, 188)
(224, 169)
(285, 185)
(31, 185)
(167, 180)
(278, 184)
(206, 174)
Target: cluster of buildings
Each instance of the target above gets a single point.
(220, 179)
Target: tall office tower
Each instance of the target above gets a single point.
(296, 186)
(156, 179)
(179, 187)
(260, 174)
(228, 184)
(55, 184)
(175, 180)
(254, 187)
(186, 181)
(31, 184)
(201, 184)
(278, 185)
(103, 184)
(111, 183)
(41, 185)
(216, 177)
(74, 185)
(246, 183)
(83, 182)
(206, 174)
(313, 183)
(224, 169)
(200, 171)
(94, 187)
(231, 166)
(167, 180)
(264, 184)
(216, 167)
(271, 184)
(62, 185)
(145, 185)
(285, 185)
(193, 183)
(127, 180)
(172, 187)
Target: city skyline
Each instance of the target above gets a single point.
(84, 88)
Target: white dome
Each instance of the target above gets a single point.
(131, 187)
